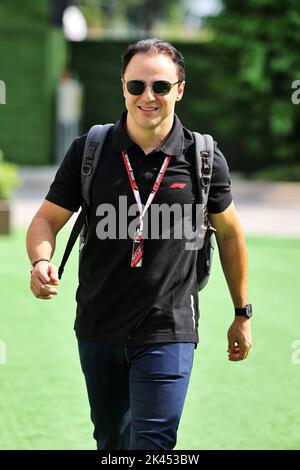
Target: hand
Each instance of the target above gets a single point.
(239, 339)
(43, 276)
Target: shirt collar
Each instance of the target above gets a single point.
(177, 142)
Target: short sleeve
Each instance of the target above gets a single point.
(220, 196)
(65, 190)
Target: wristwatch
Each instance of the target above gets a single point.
(244, 311)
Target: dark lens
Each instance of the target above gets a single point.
(161, 87)
(135, 87)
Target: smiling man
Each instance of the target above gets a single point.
(137, 301)
(150, 115)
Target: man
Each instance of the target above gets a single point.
(137, 319)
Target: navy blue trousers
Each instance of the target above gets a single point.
(136, 393)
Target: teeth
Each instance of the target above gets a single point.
(147, 109)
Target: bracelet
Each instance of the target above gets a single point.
(38, 261)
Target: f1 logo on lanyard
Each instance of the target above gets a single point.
(138, 248)
(138, 241)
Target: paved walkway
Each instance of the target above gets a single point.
(267, 208)
(264, 208)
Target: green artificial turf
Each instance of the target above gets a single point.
(252, 404)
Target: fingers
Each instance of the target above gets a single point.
(239, 340)
(239, 353)
(234, 352)
(232, 344)
(53, 274)
(43, 277)
(43, 291)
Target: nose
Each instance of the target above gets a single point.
(148, 94)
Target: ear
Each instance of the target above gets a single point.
(180, 91)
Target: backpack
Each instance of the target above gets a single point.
(204, 149)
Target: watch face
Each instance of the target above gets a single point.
(244, 311)
(249, 310)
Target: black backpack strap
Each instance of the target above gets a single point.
(204, 149)
(91, 156)
(92, 151)
(77, 227)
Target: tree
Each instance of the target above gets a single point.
(259, 41)
(140, 15)
(143, 14)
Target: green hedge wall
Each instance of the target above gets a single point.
(32, 55)
(211, 103)
(98, 65)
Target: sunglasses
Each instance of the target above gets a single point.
(160, 87)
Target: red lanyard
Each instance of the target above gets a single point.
(138, 241)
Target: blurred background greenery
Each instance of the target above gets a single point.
(241, 60)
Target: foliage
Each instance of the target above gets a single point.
(138, 15)
(8, 178)
(259, 46)
(32, 56)
(143, 14)
(279, 173)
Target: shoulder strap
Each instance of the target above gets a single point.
(204, 149)
(91, 156)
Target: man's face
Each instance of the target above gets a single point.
(149, 110)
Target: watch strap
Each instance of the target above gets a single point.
(244, 311)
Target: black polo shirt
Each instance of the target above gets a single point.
(157, 302)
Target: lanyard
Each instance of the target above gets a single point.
(138, 241)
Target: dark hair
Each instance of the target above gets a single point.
(154, 46)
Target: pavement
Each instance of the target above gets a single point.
(264, 208)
